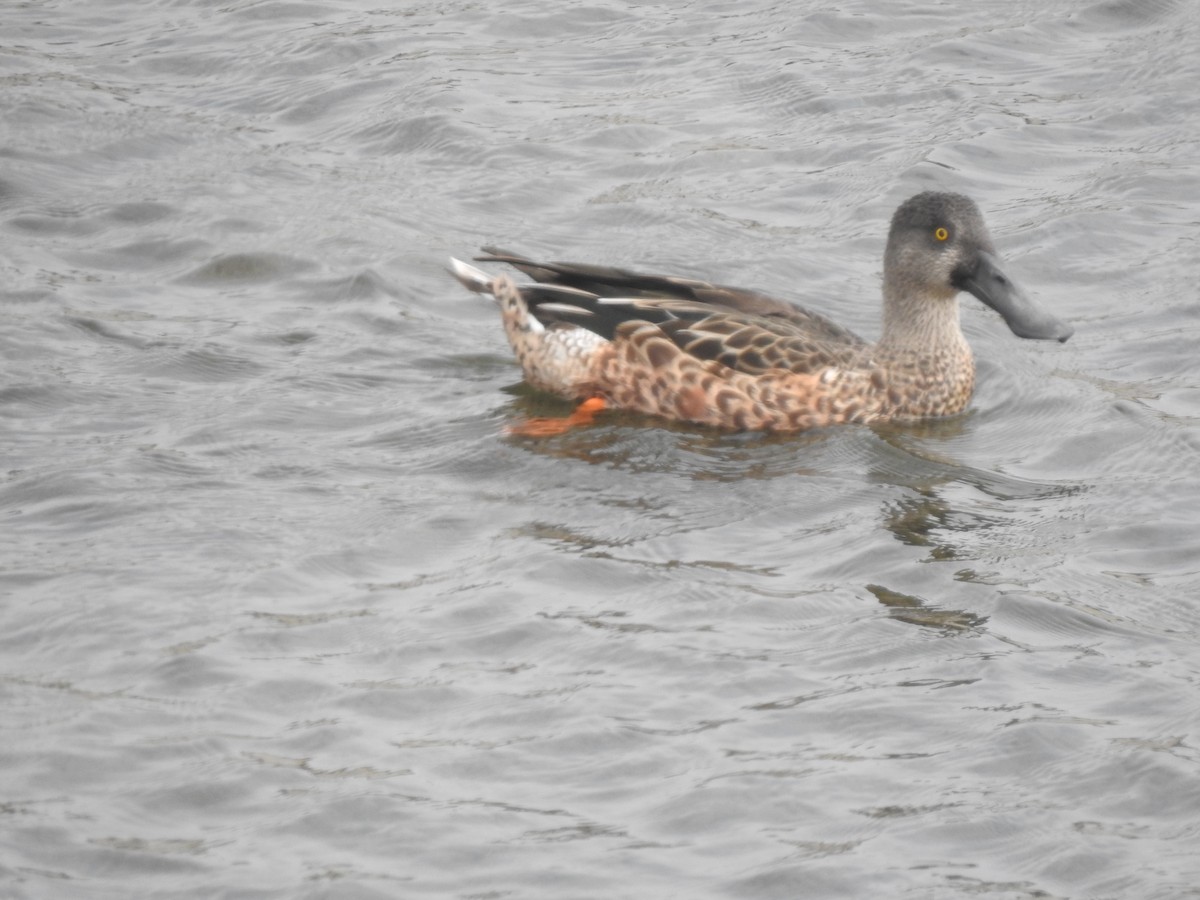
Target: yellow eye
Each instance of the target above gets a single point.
(941, 234)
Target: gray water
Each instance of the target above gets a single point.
(287, 615)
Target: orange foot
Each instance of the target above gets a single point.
(585, 414)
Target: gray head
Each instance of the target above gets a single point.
(938, 245)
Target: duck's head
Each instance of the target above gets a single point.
(938, 245)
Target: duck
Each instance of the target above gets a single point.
(735, 359)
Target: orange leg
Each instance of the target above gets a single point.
(584, 414)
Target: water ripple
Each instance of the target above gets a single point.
(288, 613)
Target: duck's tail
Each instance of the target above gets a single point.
(471, 277)
(555, 357)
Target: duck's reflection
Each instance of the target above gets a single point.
(923, 502)
(924, 518)
(917, 611)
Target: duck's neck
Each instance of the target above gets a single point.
(921, 323)
(928, 364)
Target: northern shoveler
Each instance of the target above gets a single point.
(698, 352)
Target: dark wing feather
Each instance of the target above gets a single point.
(672, 297)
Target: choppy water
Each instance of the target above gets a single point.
(284, 612)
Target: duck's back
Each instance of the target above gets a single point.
(619, 295)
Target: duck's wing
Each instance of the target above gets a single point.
(744, 330)
(699, 297)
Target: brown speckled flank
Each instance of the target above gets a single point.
(734, 359)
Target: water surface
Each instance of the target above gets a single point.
(286, 614)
